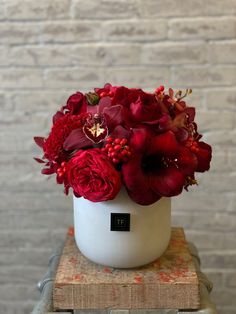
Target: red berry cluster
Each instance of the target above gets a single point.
(117, 149)
(61, 170)
(193, 145)
(160, 90)
(106, 93)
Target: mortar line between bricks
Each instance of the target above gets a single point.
(159, 65)
(108, 43)
(114, 41)
(114, 20)
(125, 67)
(118, 66)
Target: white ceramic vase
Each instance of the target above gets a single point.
(147, 238)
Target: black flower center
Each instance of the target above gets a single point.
(155, 163)
(152, 163)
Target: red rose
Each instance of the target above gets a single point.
(138, 106)
(145, 107)
(76, 104)
(92, 175)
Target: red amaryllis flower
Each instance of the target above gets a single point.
(92, 175)
(158, 167)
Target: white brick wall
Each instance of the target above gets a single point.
(49, 49)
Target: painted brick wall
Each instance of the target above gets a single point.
(49, 49)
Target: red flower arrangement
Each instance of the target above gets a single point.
(117, 136)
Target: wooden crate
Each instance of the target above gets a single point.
(169, 282)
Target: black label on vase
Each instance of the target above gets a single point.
(120, 222)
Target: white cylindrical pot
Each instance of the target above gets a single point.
(148, 238)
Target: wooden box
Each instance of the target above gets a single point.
(169, 282)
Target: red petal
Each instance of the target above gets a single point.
(76, 140)
(142, 197)
(187, 161)
(204, 156)
(180, 120)
(47, 171)
(120, 132)
(39, 160)
(140, 139)
(181, 134)
(168, 182)
(39, 141)
(113, 116)
(165, 144)
(104, 102)
(191, 113)
(57, 116)
(137, 182)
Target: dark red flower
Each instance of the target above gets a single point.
(204, 155)
(123, 96)
(158, 167)
(158, 127)
(136, 105)
(141, 108)
(137, 182)
(53, 145)
(92, 175)
(145, 108)
(95, 128)
(76, 104)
